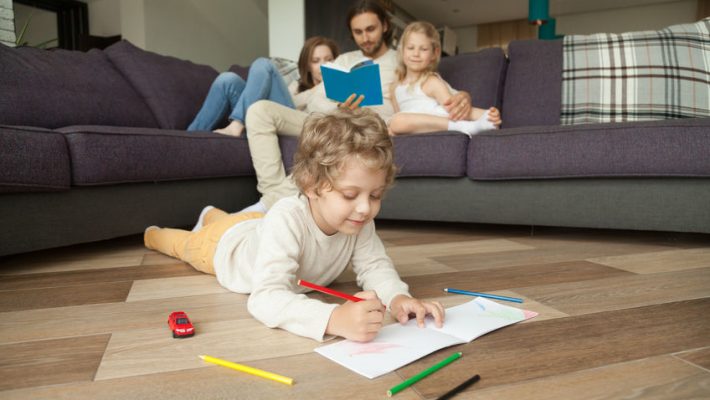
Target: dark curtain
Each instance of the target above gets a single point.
(329, 18)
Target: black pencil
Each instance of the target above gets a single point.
(460, 388)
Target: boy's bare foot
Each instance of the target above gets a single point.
(235, 128)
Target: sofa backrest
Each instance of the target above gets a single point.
(174, 89)
(533, 85)
(481, 74)
(56, 88)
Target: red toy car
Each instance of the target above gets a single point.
(180, 325)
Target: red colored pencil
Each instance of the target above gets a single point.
(328, 291)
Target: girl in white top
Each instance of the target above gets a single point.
(343, 166)
(419, 92)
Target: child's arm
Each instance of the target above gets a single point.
(436, 88)
(404, 306)
(393, 98)
(375, 271)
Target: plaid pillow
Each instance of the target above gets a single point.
(636, 76)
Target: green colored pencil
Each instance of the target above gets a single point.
(418, 377)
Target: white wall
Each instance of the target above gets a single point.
(287, 28)
(132, 17)
(213, 32)
(104, 17)
(467, 39)
(7, 23)
(642, 18)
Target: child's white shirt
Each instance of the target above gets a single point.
(412, 99)
(266, 257)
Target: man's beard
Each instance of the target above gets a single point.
(375, 49)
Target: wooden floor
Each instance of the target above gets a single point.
(622, 315)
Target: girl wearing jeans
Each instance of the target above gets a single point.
(231, 95)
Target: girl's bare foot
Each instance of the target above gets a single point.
(494, 116)
(235, 128)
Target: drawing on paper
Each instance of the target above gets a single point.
(359, 349)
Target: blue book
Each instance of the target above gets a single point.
(363, 78)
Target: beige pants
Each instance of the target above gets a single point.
(263, 121)
(196, 248)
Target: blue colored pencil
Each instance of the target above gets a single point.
(486, 295)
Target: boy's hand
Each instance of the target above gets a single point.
(404, 306)
(359, 321)
(458, 106)
(352, 102)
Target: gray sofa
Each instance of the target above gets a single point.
(92, 147)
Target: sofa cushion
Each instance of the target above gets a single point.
(432, 154)
(288, 146)
(108, 155)
(174, 89)
(533, 83)
(481, 74)
(637, 76)
(57, 88)
(243, 72)
(33, 159)
(635, 149)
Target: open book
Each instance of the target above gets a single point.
(398, 345)
(362, 78)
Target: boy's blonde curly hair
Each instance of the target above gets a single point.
(327, 140)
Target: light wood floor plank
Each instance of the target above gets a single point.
(314, 379)
(155, 258)
(699, 357)
(511, 277)
(86, 264)
(83, 277)
(94, 319)
(585, 297)
(415, 253)
(154, 350)
(51, 361)
(545, 250)
(400, 233)
(122, 252)
(65, 296)
(165, 288)
(655, 378)
(560, 346)
(424, 267)
(661, 261)
(623, 314)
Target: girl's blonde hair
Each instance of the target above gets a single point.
(328, 140)
(430, 32)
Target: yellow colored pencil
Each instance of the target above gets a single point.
(249, 370)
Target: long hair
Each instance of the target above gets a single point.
(431, 33)
(374, 7)
(306, 80)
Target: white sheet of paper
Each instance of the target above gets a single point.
(398, 345)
